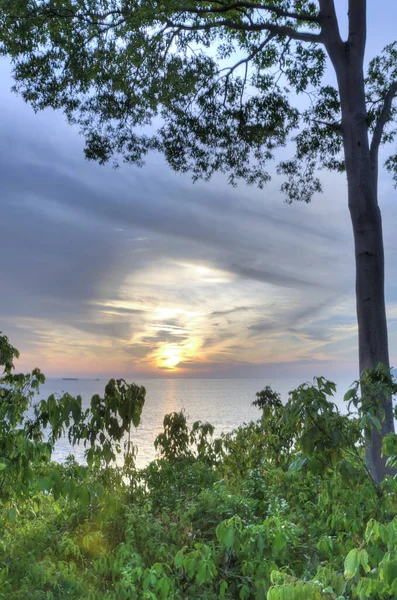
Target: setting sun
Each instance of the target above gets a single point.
(169, 356)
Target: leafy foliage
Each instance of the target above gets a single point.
(213, 86)
(281, 508)
(26, 444)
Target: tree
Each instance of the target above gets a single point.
(213, 85)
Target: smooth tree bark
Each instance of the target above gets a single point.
(116, 65)
(362, 173)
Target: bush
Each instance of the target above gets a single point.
(281, 508)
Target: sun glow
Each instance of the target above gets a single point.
(169, 356)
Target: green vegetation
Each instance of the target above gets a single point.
(282, 508)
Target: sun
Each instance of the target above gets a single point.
(169, 356)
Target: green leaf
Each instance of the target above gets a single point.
(228, 538)
(298, 463)
(223, 589)
(225, 535)
(202, 573)
(245, 592)
(11, 514)
(389, 572)
(2, 466)
(393, 588)
(279, 542)
(84, 495)
(372, 529)
(364, 561)
(389, 444)
(350, 394)
(352, 563)
(376, 422)
(44, 484)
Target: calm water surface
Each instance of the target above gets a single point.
(225, 403)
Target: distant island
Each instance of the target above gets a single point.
(70, 378)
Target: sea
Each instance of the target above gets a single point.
(225, 403)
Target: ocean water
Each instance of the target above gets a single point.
(225, 403)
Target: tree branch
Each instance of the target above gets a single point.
(282, 30)
(358, 26)
(330, 27)
(279, 12)
(334, 126)
(381, 122)
(246, 60)
(89, 18)
(230, 70)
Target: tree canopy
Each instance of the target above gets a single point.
(213, 85)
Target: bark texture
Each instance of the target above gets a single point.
(362, 169)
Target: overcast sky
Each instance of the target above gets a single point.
(140, 272)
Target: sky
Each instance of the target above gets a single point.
(139, 272)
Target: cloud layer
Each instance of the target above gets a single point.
(141, 272)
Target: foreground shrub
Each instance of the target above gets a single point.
(281, 508)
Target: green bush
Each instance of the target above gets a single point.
(281, 508)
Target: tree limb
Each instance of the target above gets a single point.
(381, 122)
(358, 26)
(244, 61)
(279, 12)
(330, 26)
(282, 30)
(247, 59)
(334, 126)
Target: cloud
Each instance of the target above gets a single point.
(230, 311)
(100, 262)
(140, 350)
(118, 310)
(275, 278)
(164, 336)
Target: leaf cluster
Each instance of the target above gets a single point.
(280, 508)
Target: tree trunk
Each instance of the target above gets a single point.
(368, 243)
(371, 312)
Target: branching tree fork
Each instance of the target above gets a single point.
(220, 82)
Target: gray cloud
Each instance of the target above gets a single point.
(221, 313)
(119, 310)
(210, 342)
(267, 276)
(297, 371)
(287, 319)
(311, 333)
(140, 350)
(164, 336)
(78, 240)
(120, 330)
